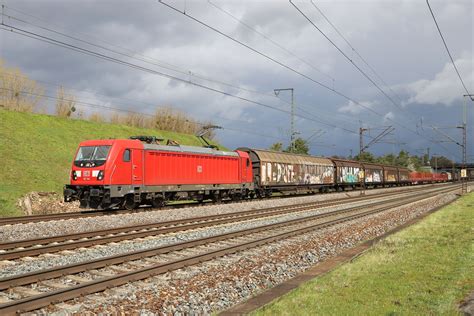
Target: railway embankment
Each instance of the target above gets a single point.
(36, 151)
(424, 269)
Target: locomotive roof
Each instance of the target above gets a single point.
(190, 149)
(272, 156)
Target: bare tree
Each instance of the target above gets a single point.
(65, 103)
(17, 91)
(97, 117)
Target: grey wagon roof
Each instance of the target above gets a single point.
(190, 149)
(272, 156)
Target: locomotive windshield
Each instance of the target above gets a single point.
(90, 156)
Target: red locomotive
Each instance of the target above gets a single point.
(131, 172)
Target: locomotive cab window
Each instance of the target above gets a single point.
(248, 162)
(91, 156)
(126, 155)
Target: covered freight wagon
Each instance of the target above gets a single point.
(278, 171)
(348, 172)
(373, 174)
(403, 175)
(390, 175)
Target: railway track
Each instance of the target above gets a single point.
(120, 269)
(37, 246)
(93, 213)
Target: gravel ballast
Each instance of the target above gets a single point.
(221, 283)
(70, 226)
(67, 257)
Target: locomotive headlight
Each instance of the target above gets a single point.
(100, 176)
(74, 175)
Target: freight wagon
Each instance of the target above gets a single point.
(403, 176)
(349, 174)
(279, 172)
(373, 174)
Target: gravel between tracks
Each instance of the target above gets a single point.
(221, 283)
(20, 266)
(54, 228)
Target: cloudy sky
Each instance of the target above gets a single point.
(145, 42)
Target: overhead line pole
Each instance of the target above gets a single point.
(464, 142)
(463, 145)
(375, 140)
(292, 116)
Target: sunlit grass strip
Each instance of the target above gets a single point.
(425, 269)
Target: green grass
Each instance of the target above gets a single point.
(36, 151)
(425, 269)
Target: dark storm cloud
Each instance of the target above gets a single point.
(398, 38)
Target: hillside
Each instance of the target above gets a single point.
(36, 151)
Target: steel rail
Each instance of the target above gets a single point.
(73, 241)
(94, 213)
(88, 234)
(44, 299)
(98, 263)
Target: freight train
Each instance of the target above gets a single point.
(126, 173)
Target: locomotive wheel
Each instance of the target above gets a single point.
(129, 204)
(94, 203)
(217, 198)
(158, 202)
(236, 197)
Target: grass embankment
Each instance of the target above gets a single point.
(36, 151)
(425, 269)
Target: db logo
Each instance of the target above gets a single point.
(87, 173)
(199, 169)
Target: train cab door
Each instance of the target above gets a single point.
(137, 167)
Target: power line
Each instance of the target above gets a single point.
(347, 57)
(82, 91)
(446, 46)
(269, 39)
(133, 57)
(76, 48)
(361, 71)
(282, 64)
(109, 108)
(145, 59)
(268, 57)
(355, 51)
(118, 61)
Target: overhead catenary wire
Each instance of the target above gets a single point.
(269, 57)
(345, 55)
(447, 49)
(249, 132)
(356, 51)
(133, 57)
(95, 54)
(268, 38)
(290, 68)
(115, 109)
(125, 63)
(364, 74)
(142, 58)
